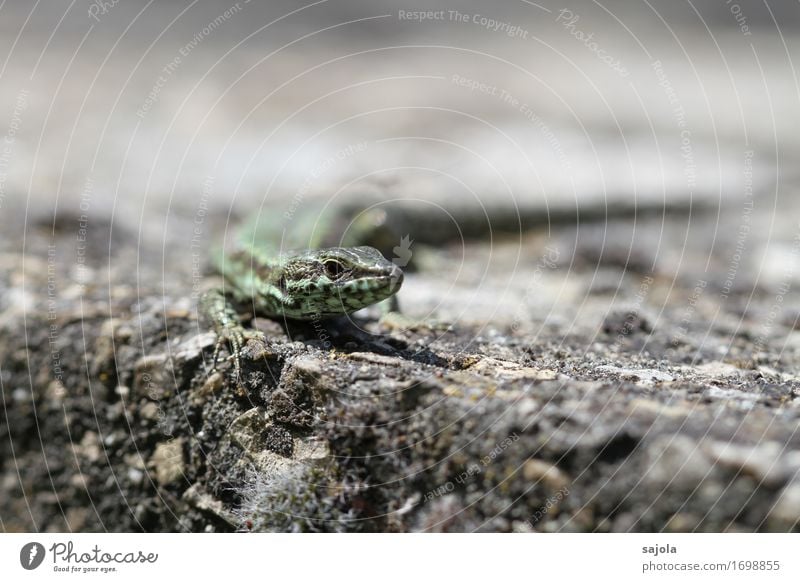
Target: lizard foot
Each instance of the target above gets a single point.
(236, 337)
(228, 328)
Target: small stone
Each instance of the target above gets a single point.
(149, 411)
(177, 313)
(655, 409)
(247, 428)
(168, 461)
(371, 358)
(518, 526)
(79, 481)
(109, 326)
(509, 370)
(76, 518)
(202, 500)
(135, 460)
(713, 370)
(626, 323)
(135, 476)
(785, 513)
(581, 520)
(526, 407)
(768, 462)
(624, 522)
(151, 378)
(683, 522)
(56, 391)
(676, 460)
(89, 447)
(644, 376)
(21, 395)
(311, 449)
(213, 384)
(270, 328)
(9, 482)
(550, 475)
(193, 348)
(308, 366)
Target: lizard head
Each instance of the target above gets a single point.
(335, 281)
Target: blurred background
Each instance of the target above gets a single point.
(171, 121)
(147, 115)
(145, 103)
(648, 148)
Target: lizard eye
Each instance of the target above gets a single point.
(282, 283)
(334, 269)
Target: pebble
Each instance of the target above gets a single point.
(20, 395)
(771, 463)
(676, 461)
(135, 476)
(550, 475)
(646, 376)
(785, 513)
(168, 461)
(149, 411)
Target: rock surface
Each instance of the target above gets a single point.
(623, 415)
(635, 372)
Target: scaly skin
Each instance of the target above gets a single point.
(305, 285)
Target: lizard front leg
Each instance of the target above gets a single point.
(215, 306)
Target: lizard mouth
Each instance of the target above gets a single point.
(392, 280)
(372, 287)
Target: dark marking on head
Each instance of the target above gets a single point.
(334, 281)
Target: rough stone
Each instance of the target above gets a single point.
(168, 461)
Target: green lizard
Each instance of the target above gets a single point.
(306, 282)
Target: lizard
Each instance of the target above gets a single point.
(306, 282)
